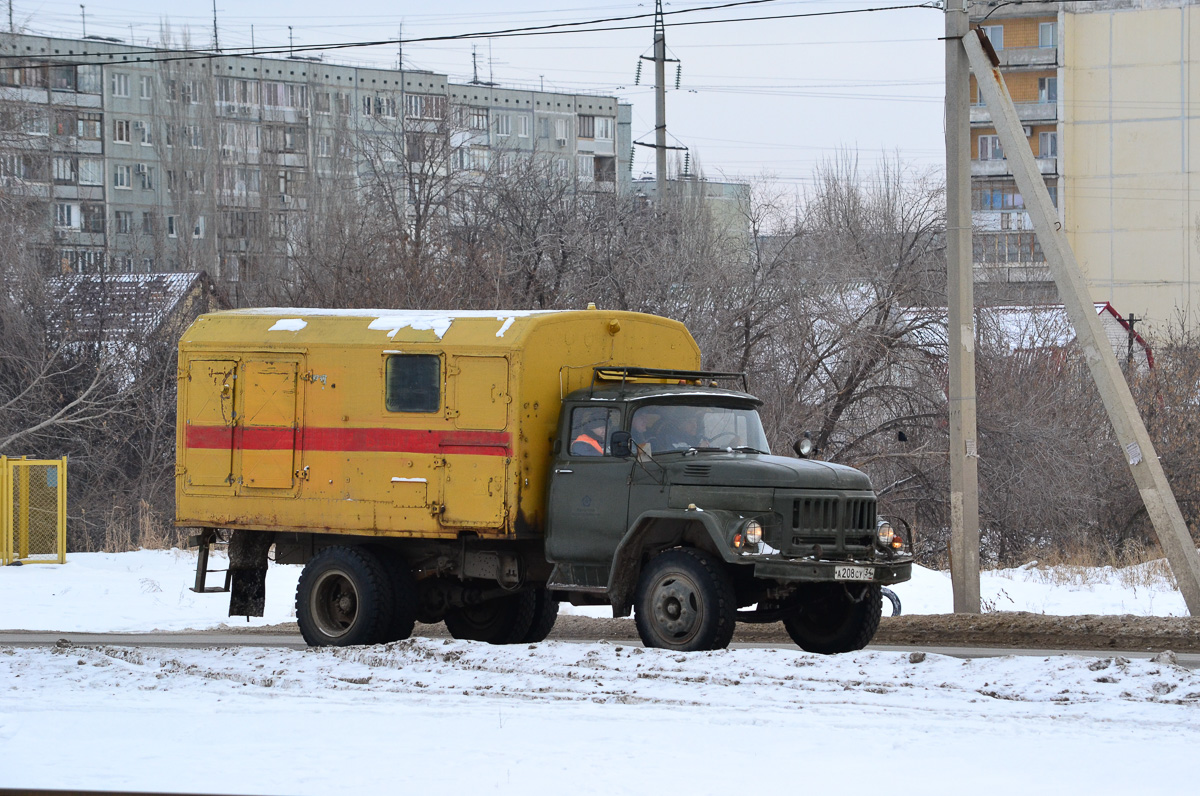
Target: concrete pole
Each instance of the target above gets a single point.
(660, 104)
(960, 304)
(1136, 445)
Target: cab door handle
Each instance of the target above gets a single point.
(564, 471)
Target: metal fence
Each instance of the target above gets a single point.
(33, 506)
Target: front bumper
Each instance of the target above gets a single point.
(812, 571)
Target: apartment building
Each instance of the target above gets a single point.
(1109, 95)
(148, 160)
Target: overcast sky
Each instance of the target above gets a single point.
(756, 98)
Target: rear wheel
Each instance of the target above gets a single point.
(344, 597)
(502, 620)
(404, 597)
(830, 617)
(545, 612)
(685, 601)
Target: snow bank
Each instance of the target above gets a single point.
(149, 590)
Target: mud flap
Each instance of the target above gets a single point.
(248, 572)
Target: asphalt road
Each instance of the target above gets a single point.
(202, 640)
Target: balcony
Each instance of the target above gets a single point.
(1036, 112)
(1028, 56)
(999, 168)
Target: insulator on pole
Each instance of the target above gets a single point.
(637, 79)
(632, 154)
(678, 72)
(687, 164)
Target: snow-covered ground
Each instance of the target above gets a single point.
(149, 590)
(560, 717)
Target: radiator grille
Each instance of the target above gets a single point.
(837, 524)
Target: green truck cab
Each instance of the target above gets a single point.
(665, 500)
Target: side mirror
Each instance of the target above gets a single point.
(621, 444)
(804, 446)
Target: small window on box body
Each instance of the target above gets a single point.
(413, 383)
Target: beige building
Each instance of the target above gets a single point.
(1109, 92)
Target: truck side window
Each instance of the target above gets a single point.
(413, 383)
(590, 430)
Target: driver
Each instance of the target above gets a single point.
(591, 439)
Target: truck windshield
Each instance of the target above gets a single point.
(663, 428)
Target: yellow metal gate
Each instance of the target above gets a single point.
(33, 505)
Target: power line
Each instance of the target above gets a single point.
(537, 30)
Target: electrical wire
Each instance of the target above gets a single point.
(535, 30)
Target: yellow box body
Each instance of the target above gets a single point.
(283, 423)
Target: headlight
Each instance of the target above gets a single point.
(749, 535)
(886, 536)
(752, 532)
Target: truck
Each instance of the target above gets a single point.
(479, 468)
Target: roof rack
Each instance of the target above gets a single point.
(625, 374)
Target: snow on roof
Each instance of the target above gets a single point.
(392, 321)
(1036, 327)
(118, 306)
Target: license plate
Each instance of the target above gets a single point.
(853, 573)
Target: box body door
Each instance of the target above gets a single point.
(268, 428)
(209, 425)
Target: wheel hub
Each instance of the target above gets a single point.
(676, 607)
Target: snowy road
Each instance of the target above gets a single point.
(590, 718)
(569, 717)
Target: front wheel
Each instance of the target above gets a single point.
(830, 617)
(685, 602)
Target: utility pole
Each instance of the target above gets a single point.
(291, 43)
(83, 17)
(1133, 319)
(11, 28)
(216, 38)
(660, 103)
(960, 306)
(1163, 511)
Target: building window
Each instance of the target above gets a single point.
(62, 78)
(91, 171)
(424, 106)
(503, 124)
(343, 103)
(145, 132)
(195, 136)
(1048, 145)
(585, 166)
(478, 119)
(88, 126)
(63, 169)
(120, 84)
(989, 148)
(198, 228)
(324, 146)
(123, 177)
(412, 383)
(1047, 34)
(123, 221)
(560, 130)
(149, 222)
(172, 232)
(92, 217)
(995, 34)
(522, 126)
(604, 128)
(1047, 89)
(66, 216)
(87, 79)
(146, 175)
(146, 87)
(587, 127)
(121, 133)
(321, 102)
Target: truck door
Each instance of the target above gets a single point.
(589, 491)
(208, 430)
(476, 471)
(268, 428)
